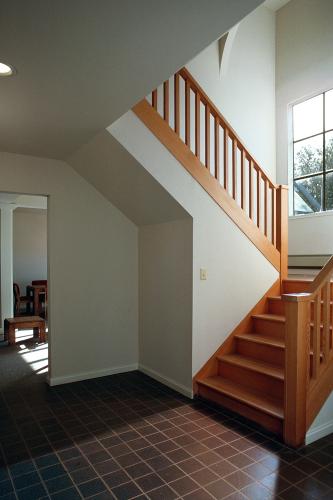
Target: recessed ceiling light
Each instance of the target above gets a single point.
(6, 70)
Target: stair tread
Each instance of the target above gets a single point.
(261, 339)
(270, 317)
(253, 364)
(250, 397)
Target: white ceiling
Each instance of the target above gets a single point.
(275, 5)
(82, 63)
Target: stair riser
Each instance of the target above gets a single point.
(297, 287)
(261, 382)
(273, 424)
(263, 352)
(268, 327)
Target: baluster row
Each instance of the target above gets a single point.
(205, 132)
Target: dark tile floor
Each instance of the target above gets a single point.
(127, 436)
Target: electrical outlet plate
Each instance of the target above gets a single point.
(203, 274)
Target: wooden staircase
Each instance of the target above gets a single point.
(276, 367)
(247, 374)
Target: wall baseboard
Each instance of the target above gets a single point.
(319, 432)
(182, 389)
(77, 377)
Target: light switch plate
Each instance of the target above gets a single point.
(203, 274)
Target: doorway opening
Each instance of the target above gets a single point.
(24, 289)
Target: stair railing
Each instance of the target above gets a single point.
(308, 354)
(220, 162)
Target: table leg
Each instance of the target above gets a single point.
(42, 333)
(36, 303)
(11, 334)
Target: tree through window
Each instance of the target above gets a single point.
(313, 154)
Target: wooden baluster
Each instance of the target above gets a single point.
(187, 113)
(282, 229)
(250, 189)
(217, 148)
(176, 102)
(226, 158)
(234, 168)
(166, 101)
(243, 159)
(154, 99)
(316, 337)
(297, 355)
(258, 197)
(197, 125)
(207, 137)
(265, 206)
(326, 320)
(273, 217)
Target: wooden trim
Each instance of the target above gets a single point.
(176, 102)
(166, 101)
(197, 125)
(318, 394)
(321, 277)
(297, 355)
(187, 114)
(225, 158)
(282, 228)
(154, 99)
(217, 149)
(245, 326)
(174, 144)
(207, 137)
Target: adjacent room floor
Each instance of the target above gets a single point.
(127, 436)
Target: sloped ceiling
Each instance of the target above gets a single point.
(81, 64)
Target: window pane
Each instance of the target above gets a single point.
(329, 151)
(308, 195)
(308, 156)
(329, 192)
(329, 110)
(308, 117)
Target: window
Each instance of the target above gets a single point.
(313, 154)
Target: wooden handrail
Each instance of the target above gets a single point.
(230, 174)
(308, 354)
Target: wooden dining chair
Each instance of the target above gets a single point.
(21, 299)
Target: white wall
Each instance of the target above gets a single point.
(29, 246)
(304, 67)
(165, 345)
(93, 270)
(232, 287)
(323, 423)
(244, 88)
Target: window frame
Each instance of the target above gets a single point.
(324, 172)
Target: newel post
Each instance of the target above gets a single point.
(282, 228)
(297, 359)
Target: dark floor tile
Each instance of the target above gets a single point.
(106, 467)
(126, 491)
(256, 491)
(22, 468)
(184, 485)
(25, 480)
(325, 476)
(82, 475)
(162, 493)
(52, 471)
(91, 487)
(159, 462)
(138, 470)
(5, 487)
(46, 460)
(69, 494)
(149, 482)
(76, 463)
(116, 478)
(220, 489)
(58, 483)
(200, 494)
(314, 488)
(32, 493)
(190, 465)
